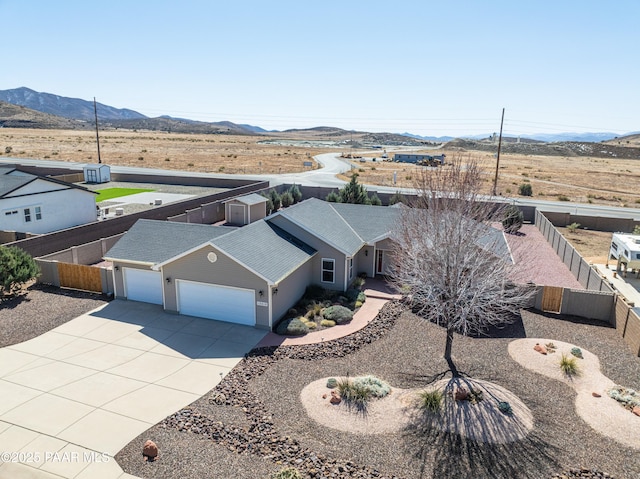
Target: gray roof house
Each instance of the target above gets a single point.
(254, 274)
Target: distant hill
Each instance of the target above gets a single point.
(178, 125)
(15, 116)
(73, 108)
(438, 139)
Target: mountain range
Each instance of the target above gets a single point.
(78, 112)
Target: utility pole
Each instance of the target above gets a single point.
(95, 111)
(495, 180)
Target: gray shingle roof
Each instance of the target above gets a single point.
(10, 183)
(152, 241)
(250, 199)
(266, 249)
(369, 222)
(323, 221)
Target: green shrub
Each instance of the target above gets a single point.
(327, 323)
(275, 199)
(16, 268)
(269, 204)
(573, 227)
(339, 314)
(628, 397)
(505, 408)
(311, 325)
(287, 473)
(569, 365)
(374, 200)
(292, 327)
(375, 387)
(295, 193)
(286, 199)
(563, 198)
(361, 297)
(353, 394)
(525, 189)
(352, 294)
(357, 304)
(577, 352)
(513, 219)
(431, 400)
(359, 281)
(333, 197)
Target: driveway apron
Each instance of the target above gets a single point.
(71, 398)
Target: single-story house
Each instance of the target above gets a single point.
(40, 204)
(252, 275)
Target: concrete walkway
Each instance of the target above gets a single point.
(71, 398)
(377, 294)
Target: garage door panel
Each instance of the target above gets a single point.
(234, 305)
(143, 285)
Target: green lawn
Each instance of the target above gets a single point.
(110, 193)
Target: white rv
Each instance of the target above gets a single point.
(625, 248)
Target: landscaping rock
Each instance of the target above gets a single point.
(540, 348)
(636, 410)
(461, 394)
(150, 450)
(335, 398)
(596, 395)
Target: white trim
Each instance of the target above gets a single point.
(322, 270)
(126, 261)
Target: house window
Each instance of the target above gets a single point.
(27, 215)
(38, 213)
(9, 213)
(350, 268)
(328, 270)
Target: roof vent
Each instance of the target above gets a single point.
(212, 257)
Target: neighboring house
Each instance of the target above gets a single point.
(39, 204)
(254, 274)
(420, 159)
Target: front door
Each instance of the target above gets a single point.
(380, 261)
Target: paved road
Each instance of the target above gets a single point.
(332, 165)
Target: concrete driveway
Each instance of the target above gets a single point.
(73, 397)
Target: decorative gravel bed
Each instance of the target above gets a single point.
(42, 309)
(253, 423)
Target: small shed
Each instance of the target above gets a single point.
(246, 209)
(97, 173)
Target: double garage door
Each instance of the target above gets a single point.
(234, 305)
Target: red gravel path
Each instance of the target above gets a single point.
(536, 261)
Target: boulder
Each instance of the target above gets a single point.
(461, 394)
(150, 450)
(636, 410)
(540, 348)
(596, 395)
(335, 398)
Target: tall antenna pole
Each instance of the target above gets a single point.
(95, 111)
(495, 180)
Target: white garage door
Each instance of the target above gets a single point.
(143, 285)
(211, 301)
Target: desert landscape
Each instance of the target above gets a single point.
(603, 179)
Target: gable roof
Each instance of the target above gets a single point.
(10, 183)
(153, 241)
(347, 227)
(249, 200)
(321, 220)
(371, 223)
(265, 249)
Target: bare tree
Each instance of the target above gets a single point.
(449, 260)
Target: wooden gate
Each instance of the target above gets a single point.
(552, 299)
(80, 276)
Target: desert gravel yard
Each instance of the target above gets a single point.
(42, 309)
(253, 422)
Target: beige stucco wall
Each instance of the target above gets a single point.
(323, 251)
(364, 262)
(291, 289)
(225, 271)
(257, 212)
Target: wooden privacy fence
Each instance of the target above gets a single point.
(80, 276)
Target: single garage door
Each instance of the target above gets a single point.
(211, 301)
(143, 285)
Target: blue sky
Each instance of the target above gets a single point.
(427, 67)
